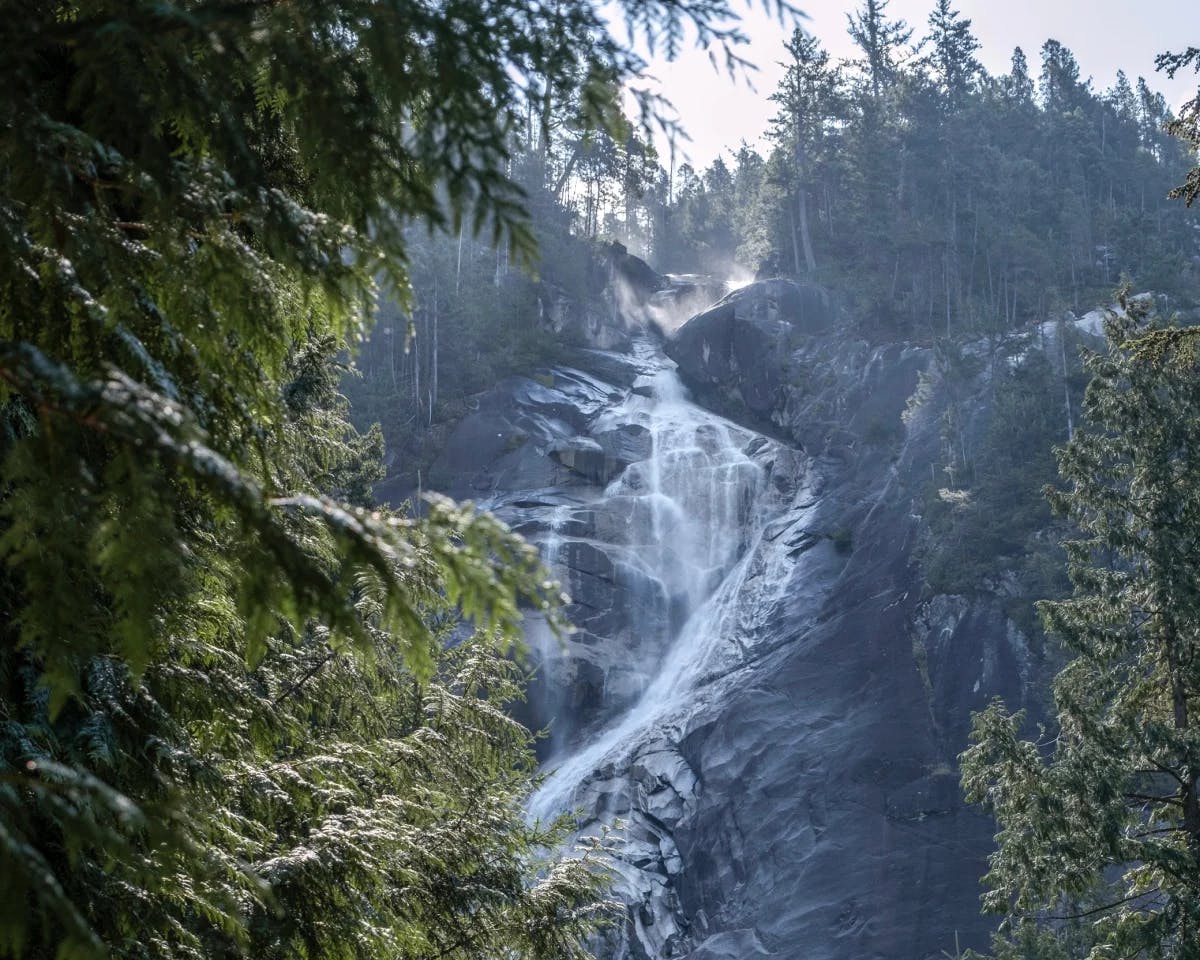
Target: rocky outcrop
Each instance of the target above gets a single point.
(628, 299)
(739, 348)
(634, 273)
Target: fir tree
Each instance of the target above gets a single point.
(227, 719)
(808, 99)
(1187, 125)
(952, 52)
(1018, 84)
(1100, 821)
(1059, 84)
(880, 41)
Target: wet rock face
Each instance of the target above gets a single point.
(639, 501)
(827, 819)
(739, 347)
(605, 456)
(760, 689)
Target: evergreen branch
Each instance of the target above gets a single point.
(1091, 913)
(308, 675)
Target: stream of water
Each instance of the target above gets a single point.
(698, 507)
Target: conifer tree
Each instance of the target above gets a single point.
(1100, 818)
(808, 98)
(1187, 125)
(880, 41)
(227, 721)
(952, 52)
(1059, 84)
(1018, 84)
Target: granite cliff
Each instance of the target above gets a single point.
(762, 694)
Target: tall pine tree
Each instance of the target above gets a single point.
(808, 99)
(1100, 819)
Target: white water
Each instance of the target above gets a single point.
(698, 512)
(693, 496)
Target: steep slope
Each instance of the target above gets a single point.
(762, 697)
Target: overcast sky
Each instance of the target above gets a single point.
(1104, 35)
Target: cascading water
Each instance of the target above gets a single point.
(677, 567)
(694, 507)
(694, 494)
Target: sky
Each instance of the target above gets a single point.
(1104, 35)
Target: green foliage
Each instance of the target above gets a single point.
(1187, 125)
(809, 98)
(987, 517)
(227, 723)
(473, 322)
(880, 42)
(338, 789)
(1100, 826)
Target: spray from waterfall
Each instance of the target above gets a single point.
(697, 511)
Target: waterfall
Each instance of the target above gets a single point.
(695, 508)
(695, 493)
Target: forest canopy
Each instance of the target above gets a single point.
(932, 198)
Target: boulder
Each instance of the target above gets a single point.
(643, 281)
(738, 349)
(603, 457)
(585, 457)
(619, 369)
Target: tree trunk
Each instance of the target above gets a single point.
(433, 387)
(392, 356)
(809, 259)
(1189, 791)
(800, 160)
(458, 266)
(547, 107)
(795, 240)
(566, 174)
(946, 288)
(416, 356)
